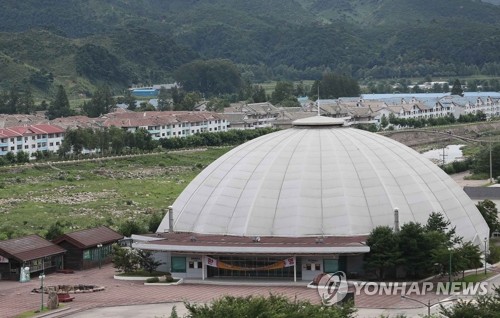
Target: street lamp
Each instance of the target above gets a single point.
(428, 304)
(485, 242)
(449, 274)
(42, 276)
(99, 246)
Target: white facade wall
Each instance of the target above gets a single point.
(31, 143)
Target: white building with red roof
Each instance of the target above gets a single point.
(30, 139)
(161, 124)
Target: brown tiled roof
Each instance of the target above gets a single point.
(28, 248)
(186, 239)
(90, 237)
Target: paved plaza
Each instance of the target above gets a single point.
(16, 297)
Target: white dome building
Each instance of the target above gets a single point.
(311, 193)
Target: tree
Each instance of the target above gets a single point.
(97, 63)
(210, 77)
(384, 121)
(282, 91)
(457, 88)
(130, 100)
(143, 139)
(154, 222)
(470, 255)
(25, 104)
(22, 157)
(12, 100)
(101, 103)
(335, 86)
(189, 101)
(274, 306)
(164, 102)
(446, 87)
(54, 231)
(124, 259)
(258, 94)
(147, 261)
(217, 104)
(130, 227)
(489, 212)
(59, 107)
(414, 249)
(437, 222)
(384, 251)
(484, 306)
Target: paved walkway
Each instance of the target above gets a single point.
(16, 297)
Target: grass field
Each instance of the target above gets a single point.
(86, 194)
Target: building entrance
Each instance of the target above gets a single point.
(252, 267)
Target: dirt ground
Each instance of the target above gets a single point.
(459, 178)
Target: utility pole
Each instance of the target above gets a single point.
(444, 155)
(491, 167)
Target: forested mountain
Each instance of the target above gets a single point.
(81, 43)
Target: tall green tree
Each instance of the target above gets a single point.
(164, 100)
(130, 100)
(147, 261)
(102, 102)
(335, 86)
(384, 121)
(188, 102)
(437, 222)
(25, 104)
(258, 94)
(457, 88)
(384, 253)
(489, 212)
(282, 91)
(59, 107)
(210, 77)
(12, 100)
(415, 249)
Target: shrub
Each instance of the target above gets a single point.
(153, 280)
(169, 279)
(494, 255)
(271, 307)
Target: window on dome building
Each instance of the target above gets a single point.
(178, 264)
(330, 265)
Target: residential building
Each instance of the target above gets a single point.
(30, 139)
(252, 116)
(32, 252)
(88, 248)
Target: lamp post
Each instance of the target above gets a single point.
(428, 304)
(99, 246)
(485, 241)
(449, 274)
(42, 276)
(491, 167)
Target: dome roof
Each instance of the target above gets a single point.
(320, 179)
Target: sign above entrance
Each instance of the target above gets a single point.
(280, 264)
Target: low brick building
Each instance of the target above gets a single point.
(88, 248)
(31, 251)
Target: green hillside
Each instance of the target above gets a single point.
(81, 43)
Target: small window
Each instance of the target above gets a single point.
(195, 264)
